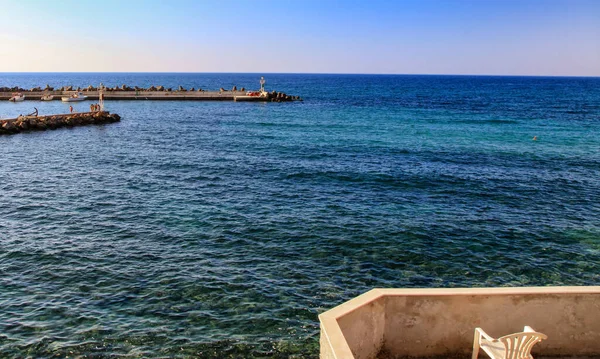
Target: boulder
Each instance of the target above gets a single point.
(8, 126)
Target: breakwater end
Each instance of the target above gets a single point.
(53, 122)
(155, 93)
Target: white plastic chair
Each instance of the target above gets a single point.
(512, 346)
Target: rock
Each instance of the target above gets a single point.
(8, 125)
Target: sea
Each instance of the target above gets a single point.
(223, 229)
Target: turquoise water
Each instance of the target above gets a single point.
(215, 230)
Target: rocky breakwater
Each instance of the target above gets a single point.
(282, 97)
(52, 122)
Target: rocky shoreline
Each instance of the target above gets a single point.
(53, 122)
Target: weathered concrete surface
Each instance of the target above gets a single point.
(439, 323)
(135, 95)
(52, 122)
(154, 95)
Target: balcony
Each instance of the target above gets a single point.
(439, 323)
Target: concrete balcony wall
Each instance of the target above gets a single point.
(440, 322)
(363, 320)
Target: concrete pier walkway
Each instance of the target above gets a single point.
(155, 95)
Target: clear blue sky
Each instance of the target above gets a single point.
(510, 37)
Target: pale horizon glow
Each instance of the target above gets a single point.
(509, 37)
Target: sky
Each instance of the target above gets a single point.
(479, 37)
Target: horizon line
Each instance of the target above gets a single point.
(290, 73)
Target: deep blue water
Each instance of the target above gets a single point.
(217, 229)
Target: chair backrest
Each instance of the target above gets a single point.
(518, 345)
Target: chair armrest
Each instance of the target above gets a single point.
(483, 334)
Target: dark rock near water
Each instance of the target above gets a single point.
(23, 124)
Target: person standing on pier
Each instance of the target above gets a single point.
(71, 109)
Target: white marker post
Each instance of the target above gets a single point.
(262, 85)
(101, 96)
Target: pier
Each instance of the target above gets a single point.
(53, 122)
(153, 93)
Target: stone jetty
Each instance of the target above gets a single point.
(52, 122)
(125, 92)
